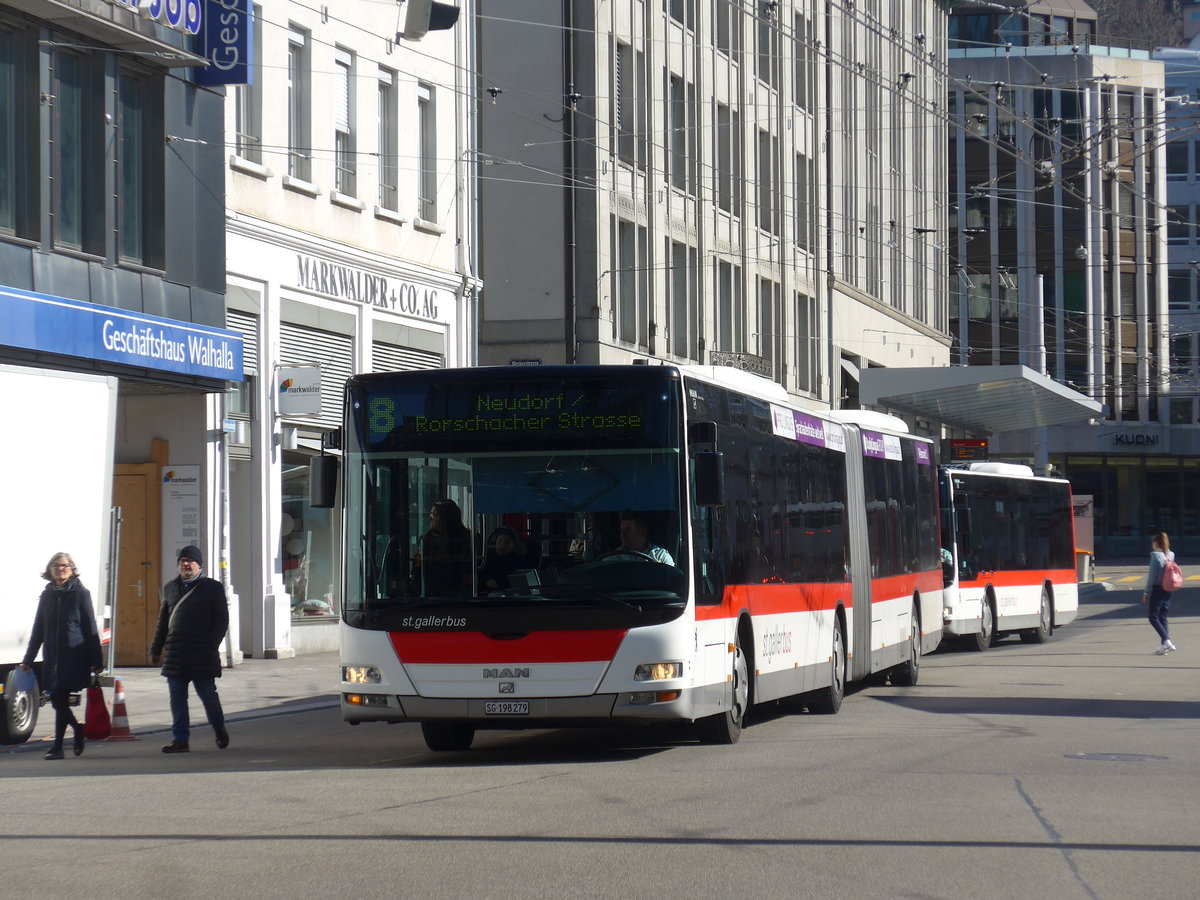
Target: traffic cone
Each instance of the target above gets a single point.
(120, 719)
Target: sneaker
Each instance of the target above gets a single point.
(222, 739)
(54, 753)
(1162, 650)
(176, 747)
(1168, 645)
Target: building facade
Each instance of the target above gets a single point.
(709, 181)
(1061, 224)
(112, 249)
(350, 249)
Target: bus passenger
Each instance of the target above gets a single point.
(506, 553)
(635, 535)
(444, 565)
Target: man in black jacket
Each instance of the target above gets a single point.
(191, 624)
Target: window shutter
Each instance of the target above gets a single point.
(300, 345)
(341, 92)
(245, 324)
(394, 358)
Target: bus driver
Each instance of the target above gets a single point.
(635, 535)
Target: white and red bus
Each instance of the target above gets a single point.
(789, 552)
(1011, 536)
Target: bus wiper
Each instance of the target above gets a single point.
(592, 594)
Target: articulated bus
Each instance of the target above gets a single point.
(788, 552)
(1011, 539)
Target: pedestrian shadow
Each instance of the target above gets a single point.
(1057, 707)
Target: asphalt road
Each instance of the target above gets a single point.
(1065, 770)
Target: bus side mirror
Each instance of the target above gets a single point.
(710, 478)
(322, 482)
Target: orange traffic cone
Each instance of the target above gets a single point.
(120, 720)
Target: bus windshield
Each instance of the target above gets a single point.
(556, 489)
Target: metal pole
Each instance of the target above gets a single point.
(114, 560)
(224, 445)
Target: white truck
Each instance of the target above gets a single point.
(57, 461)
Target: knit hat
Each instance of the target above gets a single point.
(191, 551)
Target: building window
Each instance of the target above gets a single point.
(140, 187)
(766, 57)
(310, 539)
(728, 137)
(345, 178)
(768, 209)
(806, 343)
(427, 149)
(389, 142)
(684, 285)
(804, 63)
(629, 99)
(299, 106)
(1179, 224)
(248, 101)
(77, 140)
(728, 16)
(632, 284)
(682, 11)
(731, 318)
(18, 133)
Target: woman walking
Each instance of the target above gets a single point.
(65, 631)
(1158, 597)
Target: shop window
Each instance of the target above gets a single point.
(310, 541)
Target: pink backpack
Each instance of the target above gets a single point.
(1172, 578)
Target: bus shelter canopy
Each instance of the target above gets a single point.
(982, 399)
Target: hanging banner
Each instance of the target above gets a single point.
(227, 42)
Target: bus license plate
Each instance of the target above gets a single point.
(506, 708)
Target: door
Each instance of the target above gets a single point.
(136, 492)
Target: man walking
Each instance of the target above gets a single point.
(191, 624)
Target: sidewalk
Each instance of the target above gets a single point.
(254, 687)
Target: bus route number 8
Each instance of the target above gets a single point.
(382, 416)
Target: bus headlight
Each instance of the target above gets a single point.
(660, 671)
(361, 675)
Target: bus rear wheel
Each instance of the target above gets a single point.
(726, 727)
(986, 636)
(443, 736)
(907, 673)
(828, 700)
(1041, 634)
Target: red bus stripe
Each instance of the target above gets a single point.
(455, 647)
(1010, 578)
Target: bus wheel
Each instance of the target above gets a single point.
(447, 735)
(726, 727)
(907, 673)
(987, 628)
(19, 714)
(1041, 634)
(828, 700)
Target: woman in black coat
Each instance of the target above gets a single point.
(65, 631)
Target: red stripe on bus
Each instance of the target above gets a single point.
(773, 599)
(1011, 578)
(894, 586)
(454, 647)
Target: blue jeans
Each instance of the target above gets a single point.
(206, 690)
(1160, 605)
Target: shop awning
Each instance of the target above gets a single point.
(982, 399)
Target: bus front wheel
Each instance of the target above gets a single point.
(726, 727)
(442, 736)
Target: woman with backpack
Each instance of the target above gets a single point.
(1158, 595)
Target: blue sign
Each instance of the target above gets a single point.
(227, 42)
(49, 324)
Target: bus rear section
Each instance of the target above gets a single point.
(628, 544)
(1009, 539)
